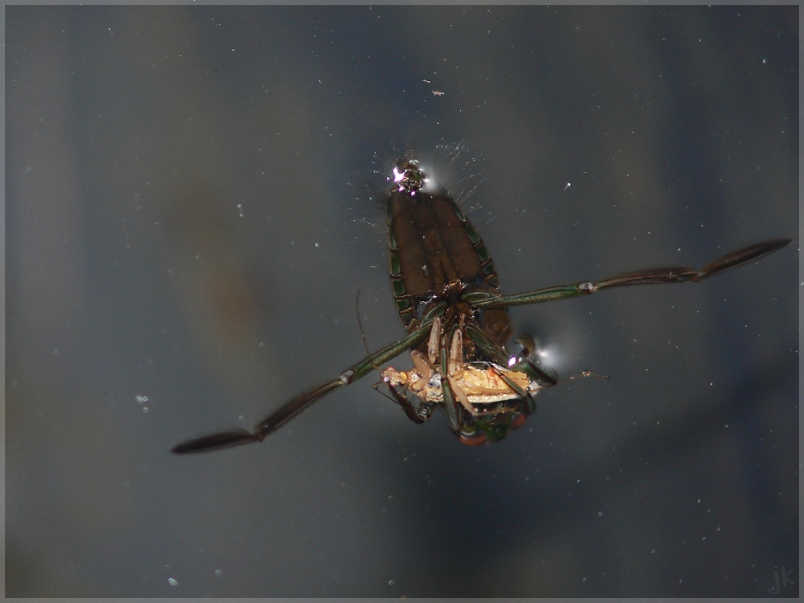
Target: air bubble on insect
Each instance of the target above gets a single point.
(173, 582)
(391, 582)
(218, 573)
(140, 398)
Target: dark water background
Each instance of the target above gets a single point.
(187, 221)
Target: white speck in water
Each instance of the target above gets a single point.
(218, 573)
(173, 582)
(567, 185)
(316, 244)
(240, 209)
(144, 409)
(600, 513)
(391, 582)
(140, 399)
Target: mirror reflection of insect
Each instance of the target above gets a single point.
(448, 296)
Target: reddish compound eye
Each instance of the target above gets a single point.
(472, 439)
(519, 421)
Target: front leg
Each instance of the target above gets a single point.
(416, 414)
(527, 363)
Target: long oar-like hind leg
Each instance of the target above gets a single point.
(650, 276)
(286, 412)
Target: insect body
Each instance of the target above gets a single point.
(447, 294)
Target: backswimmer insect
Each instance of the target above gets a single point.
(448, 296)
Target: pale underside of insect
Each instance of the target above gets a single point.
(476, 383)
